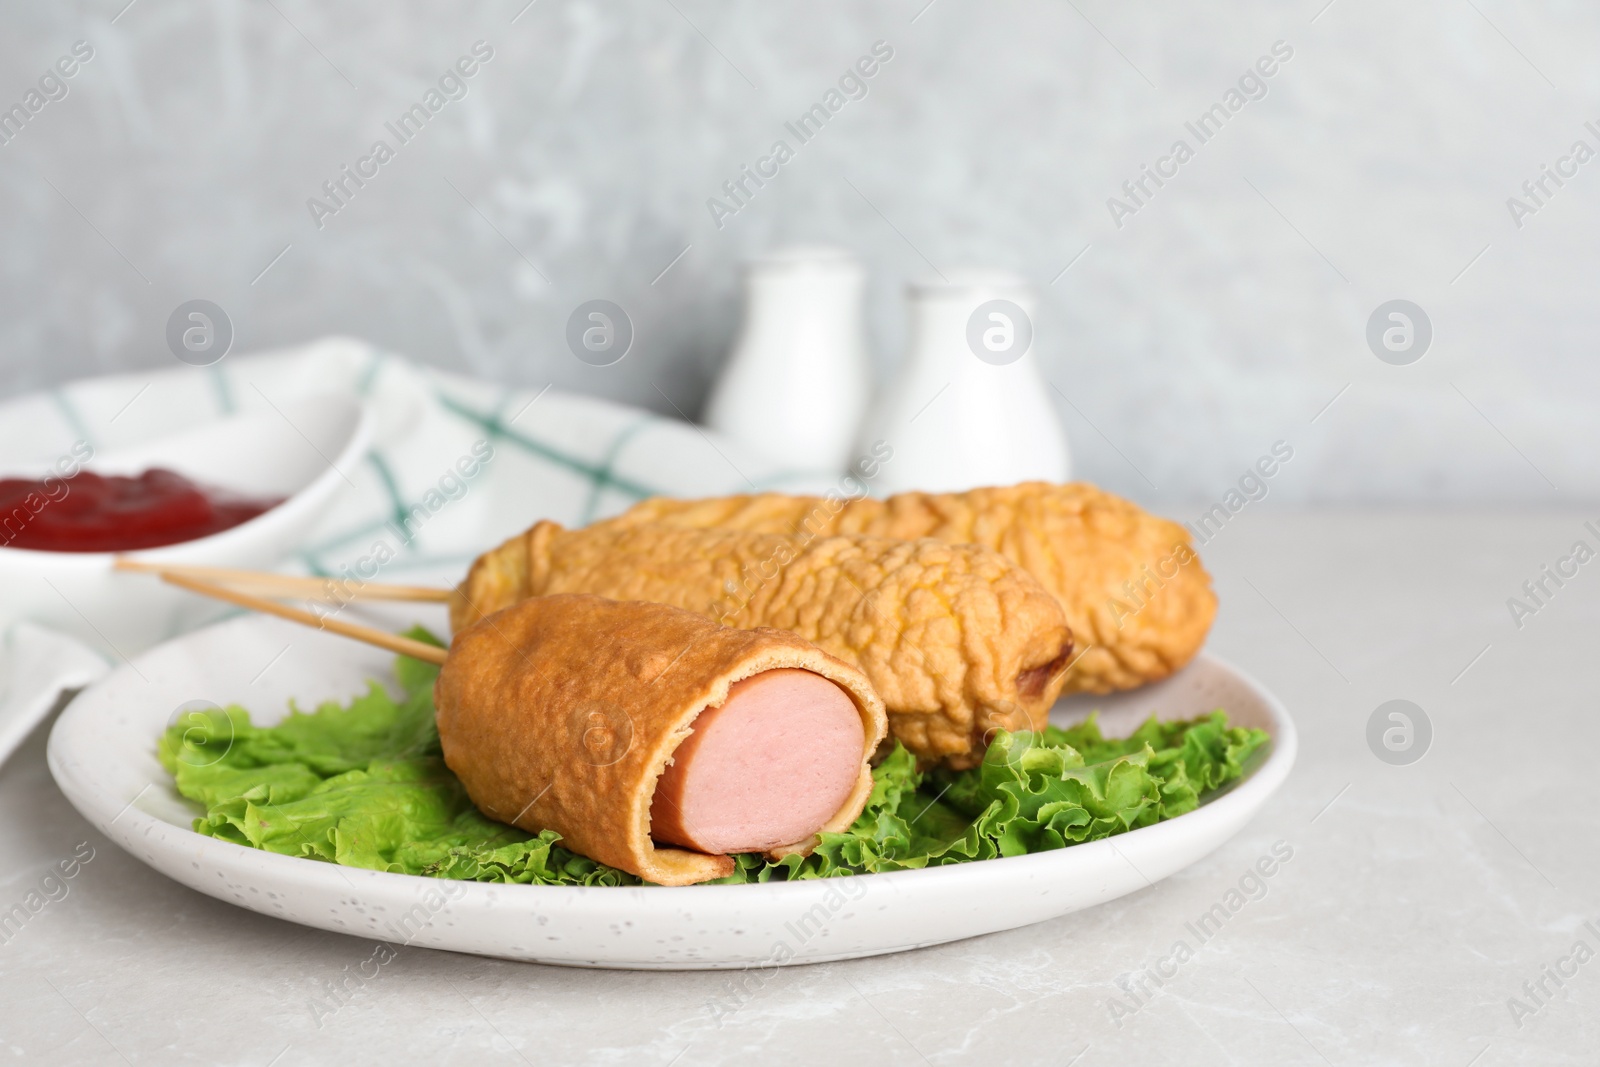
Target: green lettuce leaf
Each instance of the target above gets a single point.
(363, 784)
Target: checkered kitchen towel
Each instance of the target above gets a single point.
(553, 455)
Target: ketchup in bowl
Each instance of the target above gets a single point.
(114, 513)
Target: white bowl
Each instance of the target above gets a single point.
(103, 756)
(302, 451)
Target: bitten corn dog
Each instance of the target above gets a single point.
(957, 640)
(1136, 598)
(631, 727)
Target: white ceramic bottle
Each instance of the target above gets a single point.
(968, 406)
(795, 386)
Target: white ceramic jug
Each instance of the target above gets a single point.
(797, 382)
(968, 406)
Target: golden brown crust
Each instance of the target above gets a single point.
(563, 711)
(1136, 597)
(951, 636)
(496, 580)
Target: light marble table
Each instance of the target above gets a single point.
(1417, 902)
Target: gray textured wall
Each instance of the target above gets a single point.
(1223, 315)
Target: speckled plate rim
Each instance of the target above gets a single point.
(101, 753)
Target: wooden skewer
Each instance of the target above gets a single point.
(371, 635)
(291, 584)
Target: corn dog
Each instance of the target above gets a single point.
(1136, 597)
(653, 739)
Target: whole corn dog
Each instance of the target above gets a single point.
(1136, 598)
(957, 640)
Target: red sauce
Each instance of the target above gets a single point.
(112, 513)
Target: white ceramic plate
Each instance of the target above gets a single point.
(102, 753)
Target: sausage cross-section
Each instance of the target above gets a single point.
(766, 768)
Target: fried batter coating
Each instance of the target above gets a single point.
(956, 639)
(1136, 597)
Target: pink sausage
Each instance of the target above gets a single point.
(768, 767)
